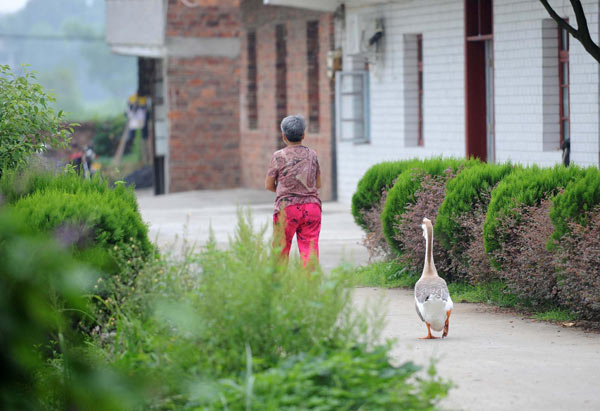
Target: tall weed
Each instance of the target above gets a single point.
(194, 320)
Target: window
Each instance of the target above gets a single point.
(352, 106)
(312, 60)
(563, 81)
(420, 87)
(280, 79)
(251, 92)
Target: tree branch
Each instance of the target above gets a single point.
(559, 20)
(582, 33)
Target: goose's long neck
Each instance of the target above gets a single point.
(429, 264)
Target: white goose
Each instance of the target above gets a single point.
(432, 299)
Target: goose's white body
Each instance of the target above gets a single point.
(433, 311)
(432, 298)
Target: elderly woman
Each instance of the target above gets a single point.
(295, 177)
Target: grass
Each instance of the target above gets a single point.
(391, 274)
(495, 293)
(385, 274)
(556, 315)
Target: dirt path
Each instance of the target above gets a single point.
(497, 361)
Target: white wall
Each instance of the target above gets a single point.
(441, 23)
(518, 87)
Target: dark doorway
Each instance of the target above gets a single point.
(479, 80)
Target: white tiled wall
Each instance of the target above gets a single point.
(519, 85)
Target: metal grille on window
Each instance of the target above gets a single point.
(280, 79)
(251, 92)
(352, 106)
(312, 59)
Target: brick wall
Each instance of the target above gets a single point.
(258, 145)
(203, 106)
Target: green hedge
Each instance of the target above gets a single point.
(462, 194)
(403, 191)
(48, 201)
(369, 189)
(523, 187)
(572, 204)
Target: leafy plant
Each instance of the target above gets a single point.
(378, 179)
(574, 203)
(409, 235)
(41, 357)
(470, 188)
(523, 187)
(28, 125)
(524, 262)
(389, 274)
(341, 379)
(577, 260)
(403, 193)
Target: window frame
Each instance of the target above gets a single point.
(564, 84)
(365, 119)
(251, 81)
(420, 81)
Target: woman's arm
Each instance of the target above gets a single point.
(319, 180)
(271, 184)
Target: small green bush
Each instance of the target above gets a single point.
(463, 193)
(523, 187)
(388, 274)
(343, 379)
(377, 178)
(575, 201)
(88, 214)
(107, 217)
(403, 192)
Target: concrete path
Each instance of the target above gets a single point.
(194, 212)
(498, 361)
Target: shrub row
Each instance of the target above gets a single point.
(84, 214)
(497, 222)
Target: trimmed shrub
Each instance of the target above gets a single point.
(374, 239)
(524, 262)
(467, 260)
(374, 182)
(87, 217)
(428, 198)
(573, 204)
(15, 185)
(471, 188)
(459, 223)
(578, 266)
(403, 192)
(527, 187)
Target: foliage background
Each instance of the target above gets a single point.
(86, 77)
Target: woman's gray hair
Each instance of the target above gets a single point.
(293, 128)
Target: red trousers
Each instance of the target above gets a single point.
(304, 220)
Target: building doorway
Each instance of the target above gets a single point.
(479, 80)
